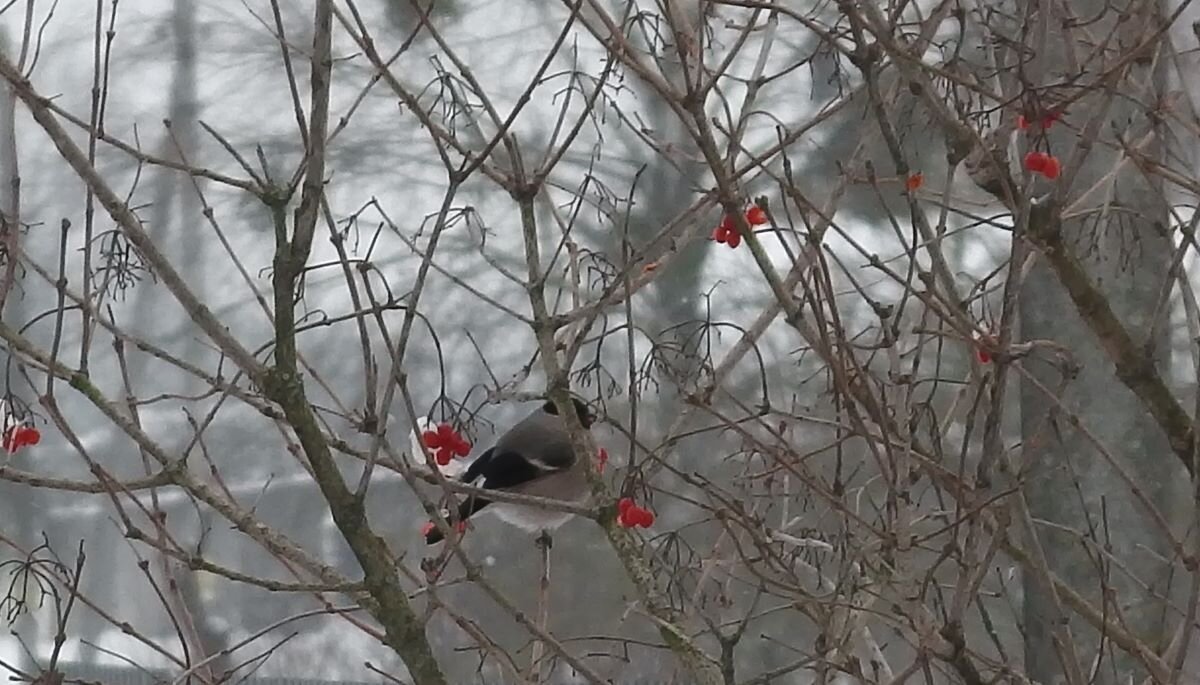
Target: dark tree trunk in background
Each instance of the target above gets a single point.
(1126, 252)
(180, 229)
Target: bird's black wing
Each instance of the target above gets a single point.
(499, 470)
(478, 467)
(471, 504)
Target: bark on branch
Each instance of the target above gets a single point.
(403, 629)
(1134, 365)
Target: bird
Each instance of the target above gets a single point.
(533, 458)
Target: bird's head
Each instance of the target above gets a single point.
(585, 413)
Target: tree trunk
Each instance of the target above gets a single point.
(1080, 507)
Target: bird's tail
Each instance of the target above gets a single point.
(466, 509)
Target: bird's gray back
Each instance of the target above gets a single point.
(540, 437)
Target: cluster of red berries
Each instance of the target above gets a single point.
(727, 232)
(446, 443)
(630, 515)
(1044, 164)
(1046, 121)
(17, 437)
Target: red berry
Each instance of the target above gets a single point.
(17, 437)
(733, 240)
(1049, 118)
(981, 353)
(1022, 122)
(431, 439)
(645, 518)
(1052, 167)
(719, 234)
(914, 181)
(446, 442)
(1036, 161)
(601, 460)
(756, 216)
(632, 516)
(728, 223)
(461, 447)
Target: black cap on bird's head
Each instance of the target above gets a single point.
(585, 413)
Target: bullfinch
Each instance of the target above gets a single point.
(533, 458)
